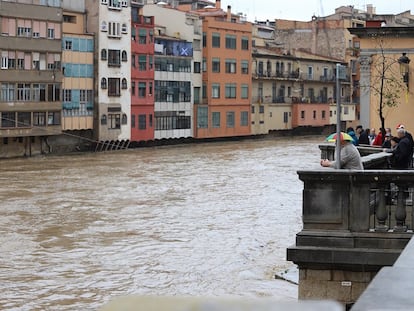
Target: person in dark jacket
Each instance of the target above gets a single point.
(403, 153)
(364, 137)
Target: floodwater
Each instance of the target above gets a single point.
(210, 219)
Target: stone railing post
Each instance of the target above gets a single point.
(381, 211)
(400, 212)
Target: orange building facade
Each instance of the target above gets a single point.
(224, 110)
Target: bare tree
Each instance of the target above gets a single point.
(387, 82)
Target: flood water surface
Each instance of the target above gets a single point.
(202, 220)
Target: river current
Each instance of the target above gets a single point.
(210, 219)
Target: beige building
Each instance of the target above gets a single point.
(386, 45)
(295, 89)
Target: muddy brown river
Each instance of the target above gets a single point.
(210, 219)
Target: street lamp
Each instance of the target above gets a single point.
(404, 69)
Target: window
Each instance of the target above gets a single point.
(103, 83)
(53, 118)
(142, 87)
(50, 33)
(142, 121)
(230, 66)
(142, 39)
(104, 54)
(245, 43)
(215, 119)
(197, 92)
(231, 42)
(39, 92)
(12, 60)
(69, 19)
(124, 28)
(202, 117)
(310, 73)
(114, 30)
(302, 114)
(114, 58)
(261, 109)
(133, 88)
(244, 118)
(7, 92)
(124, 3)
(204, 65)
(215, 42)
(114, 121)
(142, 62)
(23, 92)
(67, 95)
(230, 119)
(124, 84)
(68, 44)
(8, 119)
(216, 65)
(215, 90)
(150, 88)
(114, 4)
(314, 114)
(39, 118)
(204, 40)
(104, 26)
(124, 56)
(244, 67)
(197, 67)
(114, 87)
(4, 59)
(132, 121)
(323, 114)
(231, 90)
(244, 91)
(24, 119)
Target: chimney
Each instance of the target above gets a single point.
(229, 13)
(218, 4)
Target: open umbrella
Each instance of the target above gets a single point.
(344, 136)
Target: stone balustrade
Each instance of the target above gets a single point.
(354, 223)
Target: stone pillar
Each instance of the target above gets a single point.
(365, 83)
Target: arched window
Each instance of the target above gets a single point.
(103, 83)
(103, 119)
(124, 28)
(104, 54)
(124, 119)
(104, 26)
(124, 56)
(124, 84)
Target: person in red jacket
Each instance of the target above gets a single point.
(378, 139)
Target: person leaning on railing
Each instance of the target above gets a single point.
(350, 157)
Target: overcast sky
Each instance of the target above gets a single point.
(304, 9)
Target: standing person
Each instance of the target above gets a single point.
(350, 131)
(410, 138)
(378, 139)
(364, 137)
(403, 153)
(394, 143)
(350, 157)
(387, 141)
(372, 136)
(359, 130)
